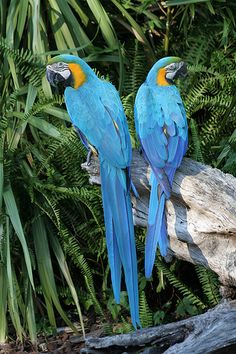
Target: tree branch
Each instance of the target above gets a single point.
(201, 214)
(211, 332)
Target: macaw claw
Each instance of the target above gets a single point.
(89, 157)
(91, 151)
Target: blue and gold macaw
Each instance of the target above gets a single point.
(96, 112)
(161, 126)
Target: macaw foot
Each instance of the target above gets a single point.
(91, 151)
(89, 157)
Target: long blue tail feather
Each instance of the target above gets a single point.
(156, 233)
(120, 234)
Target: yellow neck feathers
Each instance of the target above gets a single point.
(161, 78)
(78, 75)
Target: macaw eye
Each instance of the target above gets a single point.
(60, 65)
(171, 66)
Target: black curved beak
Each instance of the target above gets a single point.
(53, 77)
(181, 70)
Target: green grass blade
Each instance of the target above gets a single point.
(50, 311)
(104, 23)
(84, 18)
(45, 127)
(64, 268)
(57, 112)
(17, 133)
(62, 34)
(12, 298)
(45, 268)
(3, 302)
(30, 314)
(23, 11)
(75, 27)
(12, 211)
(37, 44)
(137, 30)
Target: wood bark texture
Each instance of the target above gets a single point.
(201, 214)
(211, 332)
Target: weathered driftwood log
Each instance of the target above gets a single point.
(201, 215)
(211, 332)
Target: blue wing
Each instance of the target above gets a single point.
(100, 117)
(161, 126)
(82, 138)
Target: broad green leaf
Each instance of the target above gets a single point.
(12, 211)
(31, 96)
(210, 7)
(58, 112)
(37, 43)
(75, 28)
(23, 12)
(154, 18)
(138, 32)
(62, 34)
(45, 127)
(80, 12)
(13, 72)
(50, 310)
(30, 314)
(104, 23)
(11, 22)
(100, 57)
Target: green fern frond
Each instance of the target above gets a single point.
(42, 104)
(145, 312)
(179, 285)
(29, 65)
(126, 326)
(197, 152)
(210, 284)
(136, 72)
(135, 76)
(199, 48)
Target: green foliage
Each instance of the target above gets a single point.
(145, 312)
(179, 285)
(210, 106)
(210, 285)
(185, 307)
(135, 76)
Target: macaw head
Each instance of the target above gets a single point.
(165, 70)
(68, 70)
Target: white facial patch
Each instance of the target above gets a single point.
(63, 70)
(65, 73)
